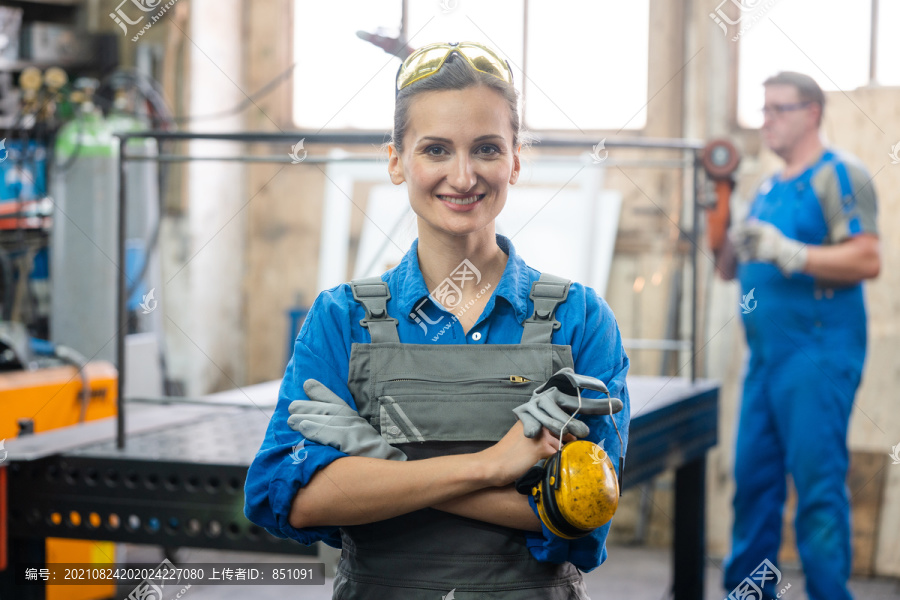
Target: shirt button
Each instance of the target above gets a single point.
(818, 294)
(829, 293)
(394, 430)
(476, 336)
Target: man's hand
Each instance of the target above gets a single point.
(326, 419)
(758, 241)
(556, 400)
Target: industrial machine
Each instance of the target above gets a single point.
(48, 398)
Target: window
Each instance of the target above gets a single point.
(886, 63)
(829, 40)
(587, 64)
(341, 81)
(590, 73)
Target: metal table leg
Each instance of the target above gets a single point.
(23, 550)
(690, 531)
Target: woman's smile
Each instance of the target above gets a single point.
(461, 203)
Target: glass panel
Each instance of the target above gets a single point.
(588, 72)
(826, 39)
(341, 81)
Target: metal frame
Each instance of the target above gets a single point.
(690, 146)
(165, 494)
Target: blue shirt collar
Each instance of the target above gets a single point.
(408, 285)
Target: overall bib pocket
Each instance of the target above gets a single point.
(419, 410)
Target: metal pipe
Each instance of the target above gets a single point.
(404, 23)
(344, 137)
(525, 19)
(166, 400)
(655, 143)
(121, 308)
(674, 164)
(648, 344)
(873, 44)
(310, 137)
(695, 229)
(255, 159)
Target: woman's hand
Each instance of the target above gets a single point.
(514, 454)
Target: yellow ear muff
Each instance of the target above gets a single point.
(579, 491)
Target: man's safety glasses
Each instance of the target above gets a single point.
(776, 110)
(428, 60)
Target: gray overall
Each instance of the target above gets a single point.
(435, 400)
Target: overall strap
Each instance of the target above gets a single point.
(373, 294)
(548, 293)
(843, 177)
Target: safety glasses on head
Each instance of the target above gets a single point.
(428, 60)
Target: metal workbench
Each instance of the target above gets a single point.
(180, 479)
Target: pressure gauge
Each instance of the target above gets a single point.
(55, 78)
(30, 79)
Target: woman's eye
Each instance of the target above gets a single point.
(486, 149)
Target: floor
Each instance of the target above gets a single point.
(635, 573)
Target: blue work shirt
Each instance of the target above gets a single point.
(286, 461)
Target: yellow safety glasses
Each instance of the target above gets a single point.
(428, 60)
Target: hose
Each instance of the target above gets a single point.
(74, 358)
(7, 267)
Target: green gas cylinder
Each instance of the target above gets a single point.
(83, 248)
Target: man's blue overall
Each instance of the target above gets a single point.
(807, 344)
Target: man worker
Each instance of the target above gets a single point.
(809, 241)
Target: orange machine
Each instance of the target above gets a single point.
(52, 398)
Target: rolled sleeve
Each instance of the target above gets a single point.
(846, 195)
(286, 461)
(599, 354)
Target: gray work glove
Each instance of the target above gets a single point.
(326, 419)
(554, 401)
(758, 241)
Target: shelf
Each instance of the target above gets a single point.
(53, 2)
(15, 66)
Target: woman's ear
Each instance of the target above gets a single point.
(517, 165)
(395, 166)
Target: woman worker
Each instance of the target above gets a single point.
(396, 435)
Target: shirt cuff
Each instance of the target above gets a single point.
(283, 488)
(546, 546)
(585, 553)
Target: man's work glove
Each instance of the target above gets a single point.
(326, 419)
(556, 400)
(758, 241)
